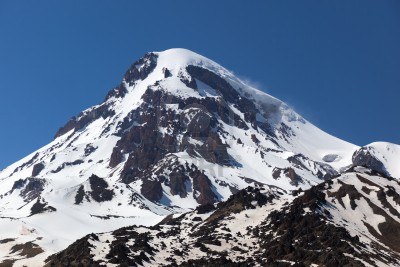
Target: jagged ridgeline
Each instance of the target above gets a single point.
(183, 142)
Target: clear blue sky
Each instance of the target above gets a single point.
(336, 62)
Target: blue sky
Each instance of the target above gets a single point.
(336, 62)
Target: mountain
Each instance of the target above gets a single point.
(179, 132)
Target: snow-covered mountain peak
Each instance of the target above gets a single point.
(178, 131)
(174, 64)
(180, 58)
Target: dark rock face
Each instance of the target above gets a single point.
(214, 81)
(31, 188)
(187, 80)
(213, 150)
(120, 91)
(177, 182)
(27, 164)
(303, 235)
(203, 186)
(80, 195)
(18, 184)
(84, 118)
(363, 157)
(141, 68)
(181, 180)
(100, 191)
(77, 254)
(149, 150)
(202, 209)
(89, 149)
(143, 142)
(200, 123)
(66, 164)
(287, 172)
(28, 250)
(145, 145)
(167, 73)
(232, 96)
(37, 168)
(41, 206)
(255, 139)
(152, 190)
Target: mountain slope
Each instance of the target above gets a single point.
(179, 131)
(351, 220)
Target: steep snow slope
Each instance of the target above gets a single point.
(179, 131)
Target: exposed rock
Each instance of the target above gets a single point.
(84, 118)
(151, 190)
(27, 250)
(178, 180)
(80, 194)
(364, 157)
(37, 168)
(255, 139)
(31, 188)
(141, 68)
(100, 191)
(187, 80)
(27, 164)
(66, 164)
(167, 73)
(6, 240)
(243, 199)
(89, 149)
(202, 186)
(214, 81)
(205, 208)
(77, 254)
(41, 206)
(213, 150)
(119, 92)
(288, 172)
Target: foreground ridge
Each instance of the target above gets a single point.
(351, 220)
